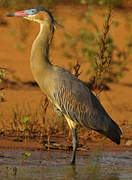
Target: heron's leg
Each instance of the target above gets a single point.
(75, 143)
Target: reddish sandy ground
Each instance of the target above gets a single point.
(14, 56)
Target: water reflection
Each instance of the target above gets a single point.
(86, 173)
(55, 165)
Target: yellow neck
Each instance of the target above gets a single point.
(40, 63)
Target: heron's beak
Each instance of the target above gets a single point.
(18, 14)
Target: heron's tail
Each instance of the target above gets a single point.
(113, 132)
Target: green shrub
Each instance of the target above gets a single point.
(107, 62)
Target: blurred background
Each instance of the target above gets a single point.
(96, 46)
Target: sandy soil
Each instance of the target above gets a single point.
(19, 90)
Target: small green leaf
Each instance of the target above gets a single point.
(22, 129)
(26, 119)
(27, 154)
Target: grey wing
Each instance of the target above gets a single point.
(78, 103)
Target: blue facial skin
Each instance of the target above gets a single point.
(31, 11)
(36, 10)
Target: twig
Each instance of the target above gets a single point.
(76, 69)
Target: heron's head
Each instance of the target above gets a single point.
(38, 14)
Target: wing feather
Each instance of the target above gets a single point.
(79, 104)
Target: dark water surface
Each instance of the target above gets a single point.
(38, 165)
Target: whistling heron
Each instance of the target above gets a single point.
(66, 92)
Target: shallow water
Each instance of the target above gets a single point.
(38, 165)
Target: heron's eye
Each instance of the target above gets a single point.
(33, 11)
